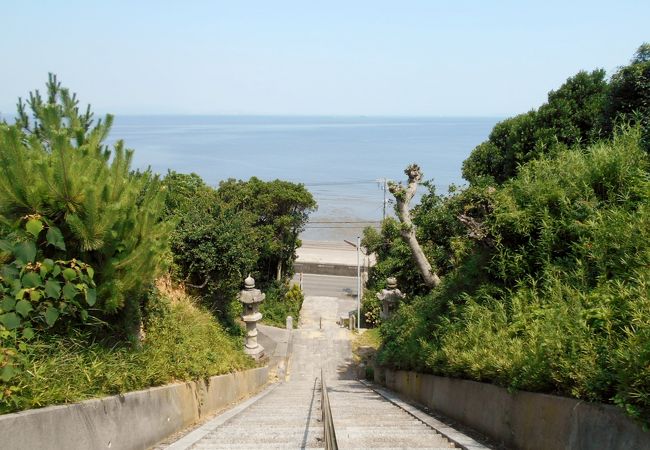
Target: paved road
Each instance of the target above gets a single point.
(328, 285)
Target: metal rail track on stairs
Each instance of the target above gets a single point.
(328, 423)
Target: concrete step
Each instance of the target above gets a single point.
(364, 419)
(394, 448)
(287, 438)
(395, 442)
(293, 414)
(381, 430)
(283, 446)
(279, 420)
(282, 410)
(374, 418)
(262, 435)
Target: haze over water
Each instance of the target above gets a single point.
(337, 158)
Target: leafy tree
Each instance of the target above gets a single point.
(279, 211)
(213, 247)
(181, 190)
(56, 167)
(571, 116)
(629, 98)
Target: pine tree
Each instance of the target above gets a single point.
(56, 166)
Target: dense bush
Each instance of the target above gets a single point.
(278, 211)
(629, 95)
(213, 247)
(282, 301)
(548, 291)
(573, 114)
(242, 228)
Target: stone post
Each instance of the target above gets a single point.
(389, 297)
(251, 299)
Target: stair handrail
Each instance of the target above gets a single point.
(328, 423)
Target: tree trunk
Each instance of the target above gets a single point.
(403, 197)
(278, 275)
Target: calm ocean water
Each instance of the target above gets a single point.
(339, 159)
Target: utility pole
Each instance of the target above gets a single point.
(358, 282)
(359, 293)
(384, 187)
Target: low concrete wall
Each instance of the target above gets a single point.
(136, 420)
(326, 269)
(522, 420)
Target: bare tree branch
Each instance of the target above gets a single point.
(207, 280)
(403, 196)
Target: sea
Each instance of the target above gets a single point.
(342, 161)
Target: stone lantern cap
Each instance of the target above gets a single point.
(391, 294)
(251, 295)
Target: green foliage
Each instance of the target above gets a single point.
(37, 291)
(212, 246)
(371, 309)
(584, 109)
(36, 294)
(546, 280)
(572, 115)
(394, 258)
(629, 98)
(278, 211)
(282, 301)
(58, 116)
(57, 168)
(183, 343)
(241, 228)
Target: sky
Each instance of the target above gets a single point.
(353, 57)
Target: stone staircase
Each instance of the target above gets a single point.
(287, 418)
(364, 419)
(289, 415)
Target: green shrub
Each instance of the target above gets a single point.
(282, 301)
(278, 211)
(213, 250)
(182, 343)
(551, 292)
(371, 309)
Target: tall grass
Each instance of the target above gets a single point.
(183, 342)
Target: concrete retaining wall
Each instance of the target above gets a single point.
(522, 420)
(136, 420)
(327, 269)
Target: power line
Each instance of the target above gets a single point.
(339, 183)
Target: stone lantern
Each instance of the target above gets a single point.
(251, 299)
(389, 297)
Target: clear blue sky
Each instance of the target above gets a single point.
(441, 58)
